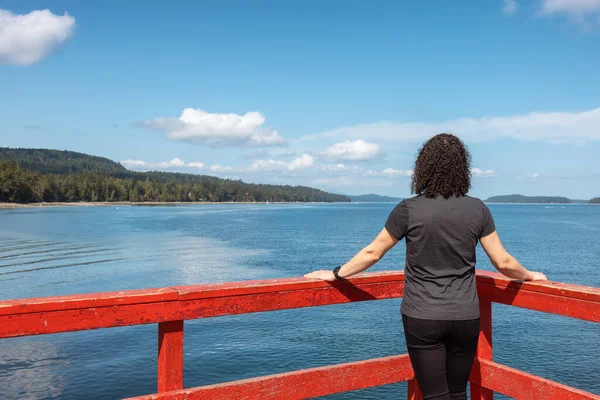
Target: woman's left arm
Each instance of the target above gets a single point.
(363, 260)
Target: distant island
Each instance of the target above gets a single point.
(511, 198)
(519, 198)
(53, 176)
(374, 198)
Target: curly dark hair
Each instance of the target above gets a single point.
(442, 168)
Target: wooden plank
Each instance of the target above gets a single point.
(566, 306)
(170, 356)
(137, 314)
(156, 305)
(521, 385)
(192, 292)
(302, 384)
(548, 287)
(9, 307)
(79, 301)
(93, 300)
(484, 347)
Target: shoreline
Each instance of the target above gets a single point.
(543, 204)
(7, 206)
(147, 203)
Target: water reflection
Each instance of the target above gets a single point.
(201, 260)
(31, 369)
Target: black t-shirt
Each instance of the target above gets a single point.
(441, 237)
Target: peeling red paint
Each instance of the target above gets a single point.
(79, 301)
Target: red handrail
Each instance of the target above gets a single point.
(169, 307)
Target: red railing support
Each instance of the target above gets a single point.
(414, 392)
(301, 384)
(169, 307)
(170, 356)
(484, 347)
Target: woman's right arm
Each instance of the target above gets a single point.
(506, 263)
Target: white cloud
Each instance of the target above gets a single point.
(480, 173)
(357, 150)
(536, 177)
(264, 139)
(140, 165)
(200, 127)
(532, 176)
(396, 172)
(389, 173)
(510, 7)
(176, 162)
(220, 169)
(305, 161)
(571, 127)
(341, 169)
(302, 162)
(335, 168)
(269, 166)
(575, 9)
(26, 39)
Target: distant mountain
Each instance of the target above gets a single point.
(40, 175)
(60, 162)
(579, 201)
(519, 198)
(595, 200)
(374, 198)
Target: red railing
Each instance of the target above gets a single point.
(169, 307)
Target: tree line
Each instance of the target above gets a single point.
(20, 185)
(48, 161)
(518, 198)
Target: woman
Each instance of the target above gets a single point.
(441, 225)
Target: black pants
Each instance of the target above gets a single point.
(441, 353)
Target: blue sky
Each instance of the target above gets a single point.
(338, 94)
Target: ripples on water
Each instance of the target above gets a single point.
(57, 251)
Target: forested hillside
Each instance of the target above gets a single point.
(518, 198)
(59, 162)
(30, 176)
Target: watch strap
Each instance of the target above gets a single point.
(336, 271)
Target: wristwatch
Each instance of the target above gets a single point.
(336, 270)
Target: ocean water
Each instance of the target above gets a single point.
(56, 251)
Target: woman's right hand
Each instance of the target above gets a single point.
(537, 276)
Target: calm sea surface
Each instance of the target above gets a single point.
(55, 251)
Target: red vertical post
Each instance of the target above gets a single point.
(170, 356)
(414, 392)
(484, 347)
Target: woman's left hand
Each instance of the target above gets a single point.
(322, 274)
